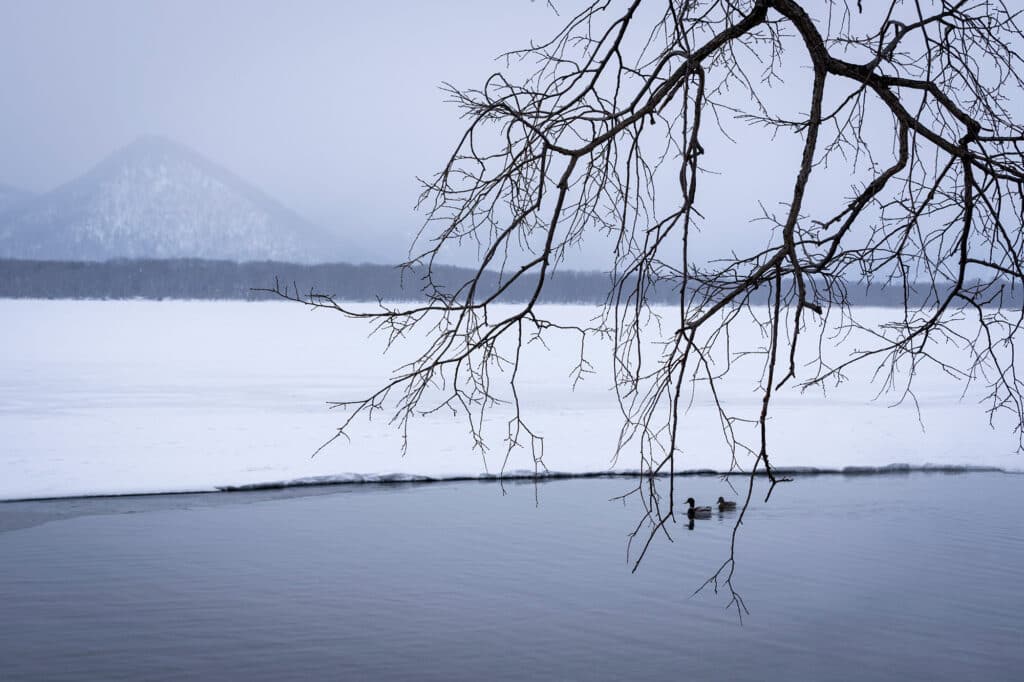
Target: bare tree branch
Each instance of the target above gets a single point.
(603, 132)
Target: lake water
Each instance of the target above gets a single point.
(914, 576)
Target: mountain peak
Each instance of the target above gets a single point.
(156, 198)
(154, 140)
(151, 145)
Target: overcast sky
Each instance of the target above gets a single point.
(331, 107)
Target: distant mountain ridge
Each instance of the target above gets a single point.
(159, 199)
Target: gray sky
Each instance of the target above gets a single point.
(331, 107)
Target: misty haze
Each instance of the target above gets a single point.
(518, 340)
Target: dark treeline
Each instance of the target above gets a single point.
(210, 279)
(214, 279)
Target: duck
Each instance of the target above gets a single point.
(697, 512)
(725, 505)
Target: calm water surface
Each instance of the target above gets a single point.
(917, 576)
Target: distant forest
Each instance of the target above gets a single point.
(214, 279)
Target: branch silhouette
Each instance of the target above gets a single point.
(609, 131)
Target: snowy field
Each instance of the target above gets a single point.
(111, 397)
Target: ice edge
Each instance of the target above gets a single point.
(527, 475)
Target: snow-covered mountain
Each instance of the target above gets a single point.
(158, 199)
(10, 197)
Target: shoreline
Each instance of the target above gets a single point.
(519, 476)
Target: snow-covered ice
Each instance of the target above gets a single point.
(115, 397)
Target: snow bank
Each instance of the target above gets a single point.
(126, 397)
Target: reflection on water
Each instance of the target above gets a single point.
(915, 576)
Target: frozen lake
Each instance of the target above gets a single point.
(913, 576)
(109, 397)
